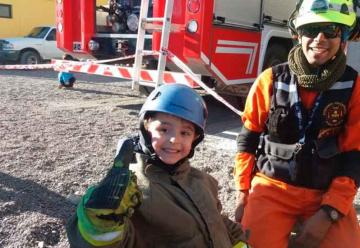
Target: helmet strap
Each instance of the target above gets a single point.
(152, 158)
(355, 31)
(291, 24)
(148, 150)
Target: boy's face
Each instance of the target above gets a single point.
(171, 137)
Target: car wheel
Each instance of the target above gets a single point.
(275, 54)
(30, 58)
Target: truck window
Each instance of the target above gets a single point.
(38, 32)
(52, 35)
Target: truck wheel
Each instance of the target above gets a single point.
(30, 58)
(275, 54)
(145, 90)
(237, 102)
(150, 64)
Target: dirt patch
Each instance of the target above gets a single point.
(57, 142)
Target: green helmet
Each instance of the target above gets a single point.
(334, 11)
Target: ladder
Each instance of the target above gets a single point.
(146, 23)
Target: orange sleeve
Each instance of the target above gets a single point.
(258, 102)
(255, 114)
(342, 190)
(244, 163)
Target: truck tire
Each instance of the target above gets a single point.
(145, 90)
(30, 58)
(275, 54)
(237, 102)
(150, 64)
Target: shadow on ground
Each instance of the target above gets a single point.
(100, 92)
(51, 74)
(24, 195)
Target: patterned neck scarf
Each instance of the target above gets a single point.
(322, 78)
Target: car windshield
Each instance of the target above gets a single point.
(38, 32)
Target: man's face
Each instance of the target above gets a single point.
(320, 42)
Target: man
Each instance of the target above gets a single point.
(298, 160)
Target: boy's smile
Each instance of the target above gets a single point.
(171, 137)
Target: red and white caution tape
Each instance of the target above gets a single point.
(51, 66)
(193, 76)
(27, 67)
(148, 76)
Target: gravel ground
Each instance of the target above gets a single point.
(56, 142)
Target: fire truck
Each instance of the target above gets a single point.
(227, 42)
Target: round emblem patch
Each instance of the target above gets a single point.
(334, 114)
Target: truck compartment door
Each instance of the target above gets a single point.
(238, 12)
(279, 10)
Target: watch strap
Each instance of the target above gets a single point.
(333, 214)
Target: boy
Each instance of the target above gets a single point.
(180, 207)
(66, 79)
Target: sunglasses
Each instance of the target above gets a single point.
(330, 31)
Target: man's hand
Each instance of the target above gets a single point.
(241, 202)
(313, 230)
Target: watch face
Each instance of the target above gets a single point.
(334, 215)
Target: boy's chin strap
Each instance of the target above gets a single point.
(152, 157)
(169, 168)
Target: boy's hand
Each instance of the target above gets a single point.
(241, 202)
(115, 197)
(313, 231)
(241, 244)
(119, 186)
(105, 207)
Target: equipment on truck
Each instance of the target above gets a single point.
(226, 42)
(89, 29)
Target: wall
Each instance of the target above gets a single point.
(26, 15)
(29, 13)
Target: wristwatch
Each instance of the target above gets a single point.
(331, 212)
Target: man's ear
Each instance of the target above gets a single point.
(344, 46)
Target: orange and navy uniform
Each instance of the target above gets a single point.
(339, 193)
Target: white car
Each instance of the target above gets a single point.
(37, 46)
